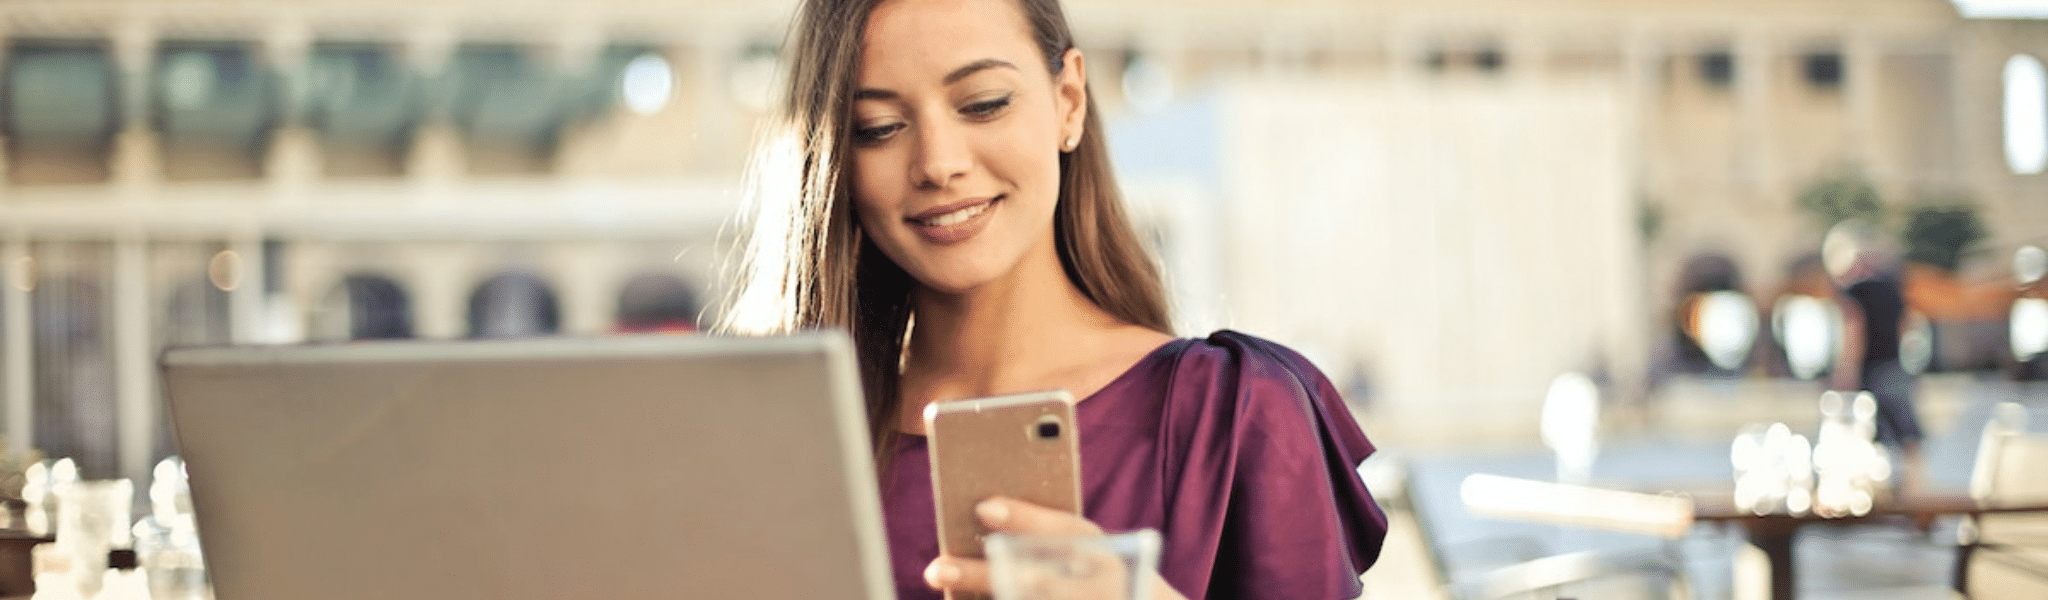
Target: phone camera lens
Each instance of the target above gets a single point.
(1048, 430)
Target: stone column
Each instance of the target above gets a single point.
(1756, 168)
(441, 277)
(1406, 50)
(137, 156)
(436, 160)
(1527, 56)
(135, 384)
(293, 162)
(248, 316)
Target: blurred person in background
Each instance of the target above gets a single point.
(1873, 305)
(955, 210)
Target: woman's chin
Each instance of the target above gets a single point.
(953, 286)
(954, 280)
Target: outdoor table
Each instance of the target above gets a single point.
(1773, 533)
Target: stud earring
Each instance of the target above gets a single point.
(1072, 141)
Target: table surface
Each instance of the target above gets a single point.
(1721, 507)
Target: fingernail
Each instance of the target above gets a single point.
(942, 574)
(992, 512)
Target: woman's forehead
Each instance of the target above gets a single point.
(909, 41)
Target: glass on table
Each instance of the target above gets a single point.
(1049, 567)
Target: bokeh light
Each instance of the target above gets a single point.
(2029, 327)
(1807, 328)
(224, 270)
(2029, 263)
(646, 84)
(1727, 327)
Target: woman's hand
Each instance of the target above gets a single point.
(1005, 515)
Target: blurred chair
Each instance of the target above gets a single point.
(1563, 543)
(1451, 565)
(1570, 427)
(2006, 555)
(1651, 572)
(1592, 574)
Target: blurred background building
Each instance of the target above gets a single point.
(1444, 203)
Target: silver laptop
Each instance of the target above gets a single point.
(631, 467)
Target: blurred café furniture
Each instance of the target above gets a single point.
(1450, 563)
(1663, 516)
(1773, 533)
(1517, 562)
(16, 564)
(1773, 530)
(2005, 555)
(1570, 428)
(1783, 485)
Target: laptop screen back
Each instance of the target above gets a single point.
(633, 467)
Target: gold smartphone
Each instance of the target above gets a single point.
(1021, 446)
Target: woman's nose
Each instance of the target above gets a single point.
(942, 156)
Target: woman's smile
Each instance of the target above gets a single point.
(956, 222)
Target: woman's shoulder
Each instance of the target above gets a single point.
(1231, 387)
(1255, 379)
(1248, 359)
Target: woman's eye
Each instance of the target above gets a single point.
(986, 108)
(875, 133)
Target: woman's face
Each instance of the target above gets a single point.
(958, 128)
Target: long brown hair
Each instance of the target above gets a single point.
(808, 264)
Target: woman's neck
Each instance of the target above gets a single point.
(1002, 336)
(1032, 330)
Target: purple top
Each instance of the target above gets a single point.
(1236, 449)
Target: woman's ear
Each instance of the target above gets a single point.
(1073, 97)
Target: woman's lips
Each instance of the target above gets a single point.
(954, 223)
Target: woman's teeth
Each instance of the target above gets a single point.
(958, 216)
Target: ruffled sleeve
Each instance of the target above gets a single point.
(1261, 460)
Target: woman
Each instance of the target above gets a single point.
(955, 210)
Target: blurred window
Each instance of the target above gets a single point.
(365, 105)
(1436, 60)
(658, 302)
(513, 305)
(1489, 60)
(195, 311)
(1483, 58)
(509, 109)
(1717, 68)
(215, 105)
(638, 78)
(60, 113)
(1824, 70)
(2026, 115)
(73, 381)
(364, 307)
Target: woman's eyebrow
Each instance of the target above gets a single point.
(950, 79)
(976, 67)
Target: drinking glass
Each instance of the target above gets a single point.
(1047, 567)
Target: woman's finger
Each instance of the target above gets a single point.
(957, 574)
(1016, 516)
